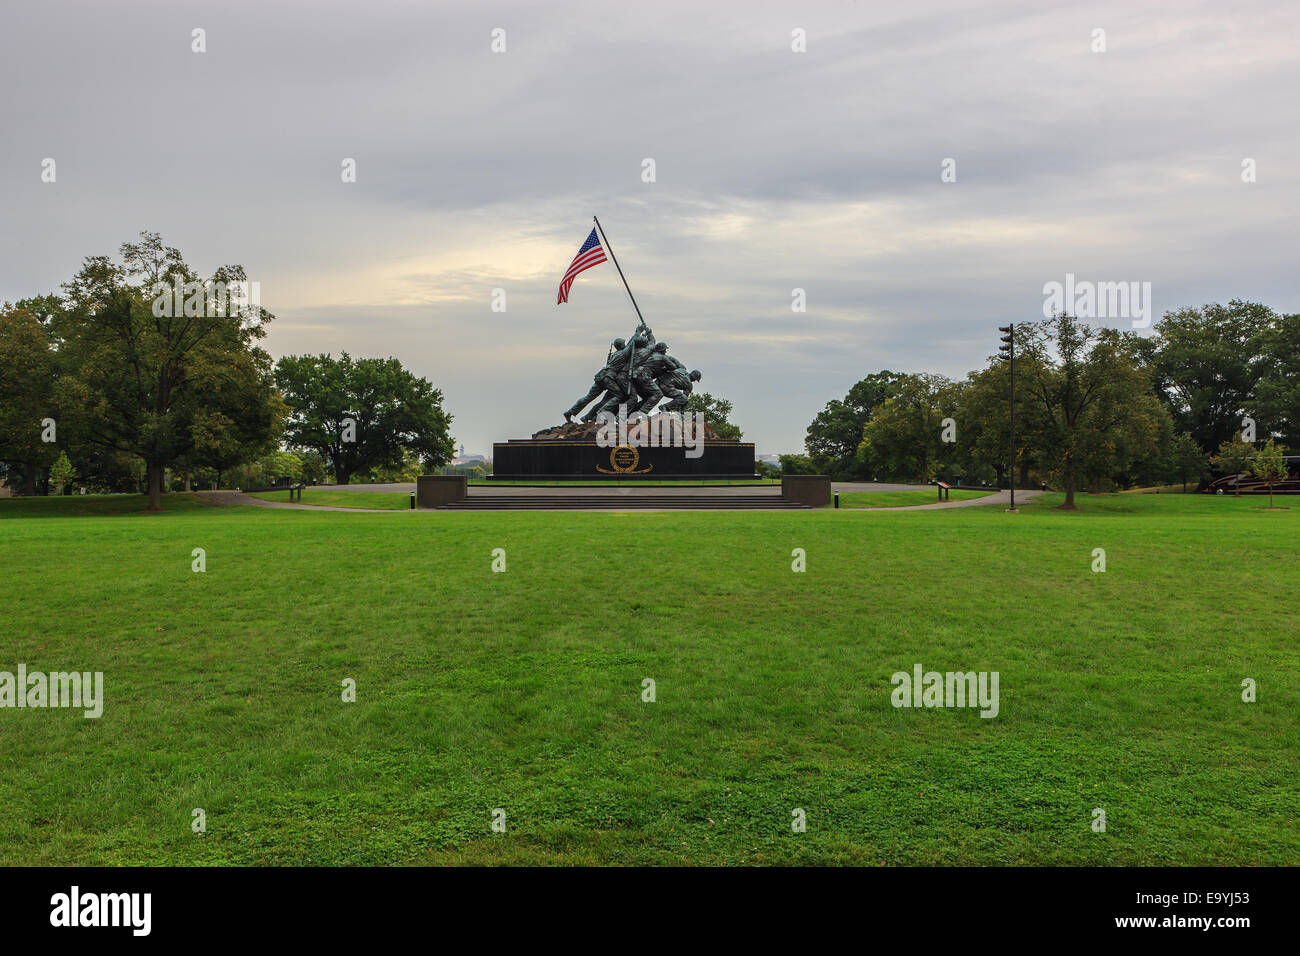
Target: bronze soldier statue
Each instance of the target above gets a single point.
(606, 379)
(624, 392)
(636, 374)
(676, 386)
(656, 364)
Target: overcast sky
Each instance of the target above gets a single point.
(774, 170)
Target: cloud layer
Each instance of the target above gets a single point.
(775, 170)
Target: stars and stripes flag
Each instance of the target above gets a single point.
(591, 254)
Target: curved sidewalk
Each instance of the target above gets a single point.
(225, 499)
(1002, 498)
(235, 498)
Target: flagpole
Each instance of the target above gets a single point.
(605, 239)
(631, 349)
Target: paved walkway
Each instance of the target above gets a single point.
(225, 499)
(857, 486)
(626, 487)
(1000, 498)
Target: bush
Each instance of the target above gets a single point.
(798, 465)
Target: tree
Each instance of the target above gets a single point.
(363, 414)
(983, 418)
(1087, 384)
(281, 464)
(797, 465)
(716, 412)
(834, 435)
(61, 472)
(1277, 393)
(27, 379)
(905, 432)
(1234, 458)
(150, 348)
(1187, 458)
(1206, 362)
(1270, 467)
(1142, 434)
(408, 471)
(313, 468)
(222, 438)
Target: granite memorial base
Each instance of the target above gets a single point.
(543, 459)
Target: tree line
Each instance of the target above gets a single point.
(1096, 408)
(140, 374)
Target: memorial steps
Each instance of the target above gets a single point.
(575, 500)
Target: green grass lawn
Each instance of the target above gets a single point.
(522, 690)
(373, 500)
(901, 499)
(81, 506)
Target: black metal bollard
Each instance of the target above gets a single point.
(837, 499)
(412, 500)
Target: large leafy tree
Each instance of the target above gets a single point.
(1206, 362)
(1139, 438)
(391, 412)
(984, 421)
(834, 435)
(904, 435)
(1092, 393)
(27, 378)
(717, 414)
(223, 439)
(1277, 393)
(143, 368)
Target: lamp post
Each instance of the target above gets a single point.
(1008, 350)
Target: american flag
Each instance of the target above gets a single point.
(591, 254)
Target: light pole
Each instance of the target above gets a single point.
(1008, 350)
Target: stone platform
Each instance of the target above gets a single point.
(626, 496)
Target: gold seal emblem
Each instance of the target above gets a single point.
(623, 460)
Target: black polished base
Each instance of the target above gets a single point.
(548, 460)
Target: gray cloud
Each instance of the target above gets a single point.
(775, 170)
